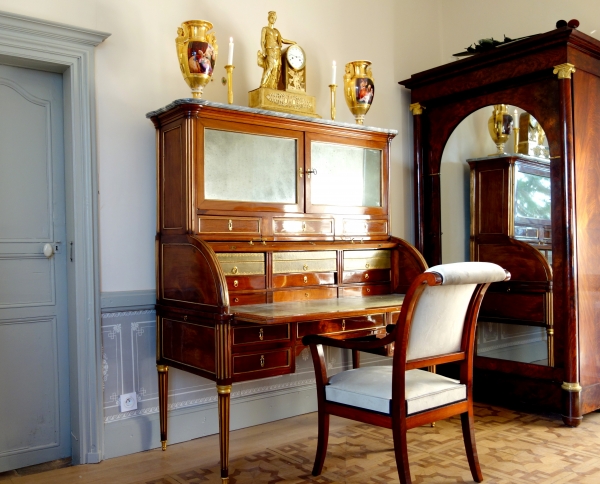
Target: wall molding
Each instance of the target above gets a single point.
(51, 46)
(127, 300)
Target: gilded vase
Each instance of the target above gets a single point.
(359, 88)
(500, 125)
(197, 53)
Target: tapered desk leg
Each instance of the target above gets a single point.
(224, 392)
(163, 385)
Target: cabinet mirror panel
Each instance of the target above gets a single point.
(249, 167)
(525, 178)
(345, 175)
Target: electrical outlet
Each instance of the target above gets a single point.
(128, 402)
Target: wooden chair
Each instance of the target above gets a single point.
(436, 325)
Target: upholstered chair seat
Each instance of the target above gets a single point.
(371, 388)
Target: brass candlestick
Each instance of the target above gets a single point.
(332, 87)
(229, 69)
(516, 132)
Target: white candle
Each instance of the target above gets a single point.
(230, 54)
(516, 119)
(333, 69)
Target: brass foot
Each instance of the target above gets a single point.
(433, 424)
(224, 480)
(164, 444)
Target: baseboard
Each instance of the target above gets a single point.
(143, 433)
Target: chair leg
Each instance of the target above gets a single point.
(401, 453)
(321, 443)
(468, 429)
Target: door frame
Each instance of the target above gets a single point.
(54, 47)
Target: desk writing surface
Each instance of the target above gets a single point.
(281, 312)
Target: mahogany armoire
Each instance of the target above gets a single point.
(554, 76)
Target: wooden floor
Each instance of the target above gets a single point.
(514, 447)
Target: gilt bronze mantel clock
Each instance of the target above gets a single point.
(283, 83)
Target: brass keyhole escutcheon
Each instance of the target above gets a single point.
(236, 300)
(368, 290)
(305, 267)
(343, 325)
(366, 276)
(305, 294)
(367, 265)
(305, 279)
(261, 334)
(303, 226)
(262, 361)
(185, 318)
(230, 225)
(234, 270)
(366, 227)
(236, 283)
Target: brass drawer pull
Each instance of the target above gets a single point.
(367, 265)
(234, 270)
(236, 299)
(236, 283)
(305, 267)
(261, 334)
(303, 226)
(368, 289)
(305, 294)
(343, 325)
(230, 225)
(366, 227)
(305, 279)
(262, 361)
(185, 318)
(366, 276)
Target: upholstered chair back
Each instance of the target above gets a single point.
(439, 318)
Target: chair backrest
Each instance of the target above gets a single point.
(438, 320)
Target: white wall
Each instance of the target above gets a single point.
(137, 72)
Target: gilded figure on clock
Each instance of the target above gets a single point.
(269, 55)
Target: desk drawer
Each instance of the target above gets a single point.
(373, 275)
(260, 334)
(370, 290)
(304, 261)
(265, 361)
(302, 226)
(328, 326)
(236, 299)
(305, 294)
(364, 227)
(299, 280)
(245, 283)
(242, 264)
(249, 226)
(356, 260)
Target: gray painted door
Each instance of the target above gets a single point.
(34, 366)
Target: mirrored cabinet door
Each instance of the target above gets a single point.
(250, 170)
(345, 178)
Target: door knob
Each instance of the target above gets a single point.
(48, 250)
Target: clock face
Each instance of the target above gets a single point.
(295, 57)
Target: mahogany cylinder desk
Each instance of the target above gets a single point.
(554, 76)
(269, 227)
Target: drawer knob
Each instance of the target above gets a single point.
(303, 226)
(366, 276)
(236, 283)
(305, 279)
(234, 270)
(262, 361)
(305, 294)
(343, 325)
(236, 299)
(230, 225)
(261, 334)
(305, 267)
(368, 289)
(367, 265)
(185, 318)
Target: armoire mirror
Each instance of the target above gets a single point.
(522, 175)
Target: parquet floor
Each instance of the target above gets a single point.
(514, 448)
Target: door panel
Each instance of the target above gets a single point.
(34, 381)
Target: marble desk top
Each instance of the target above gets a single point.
(233, 107)
(317, 309)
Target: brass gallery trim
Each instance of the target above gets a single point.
(564, 70)
(571, 387)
